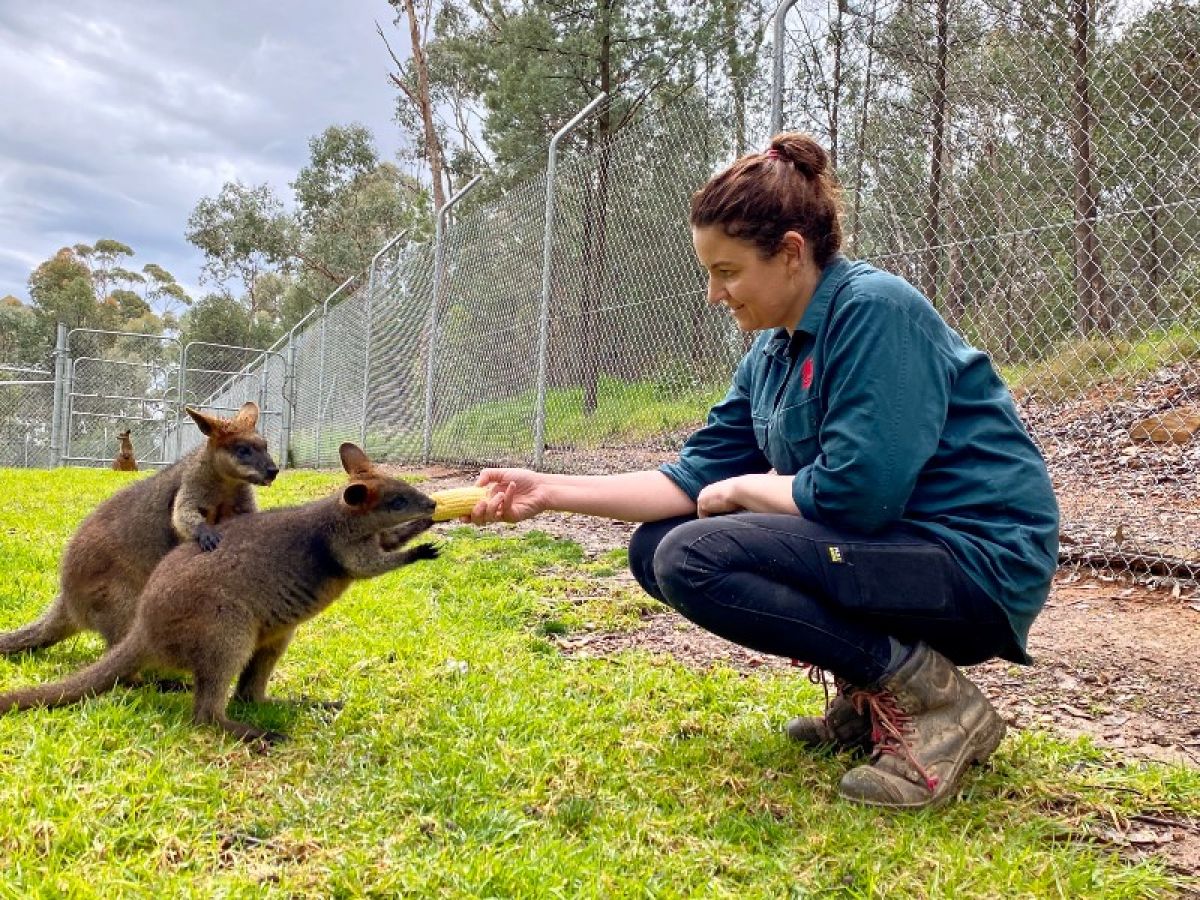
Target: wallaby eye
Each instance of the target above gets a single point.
(243, 452)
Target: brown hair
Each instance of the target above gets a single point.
(762, 196)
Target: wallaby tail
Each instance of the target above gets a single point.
(55, 625)
(101, 676)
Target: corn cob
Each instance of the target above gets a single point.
(455, 502)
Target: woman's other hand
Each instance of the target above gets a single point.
(748, 493)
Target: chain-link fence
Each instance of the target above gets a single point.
(1033, 170)
(26, 405)
(1036, 170)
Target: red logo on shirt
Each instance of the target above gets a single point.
(806, 374)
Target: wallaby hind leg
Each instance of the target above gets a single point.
(213, 681)
(252, 684)
(55, 625)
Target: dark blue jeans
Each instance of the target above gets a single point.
(783, 585)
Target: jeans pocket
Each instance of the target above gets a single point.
(901, 579)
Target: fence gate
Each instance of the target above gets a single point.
(115, 381)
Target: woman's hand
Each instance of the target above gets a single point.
(719, 498)
(748, 493)
(517, 494)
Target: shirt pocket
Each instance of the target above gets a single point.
(793, 434)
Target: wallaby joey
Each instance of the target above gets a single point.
(125, 461)
(114, 550)
(229, 615)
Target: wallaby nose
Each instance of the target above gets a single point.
(272, 471)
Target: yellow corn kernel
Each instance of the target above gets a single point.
(455, 502)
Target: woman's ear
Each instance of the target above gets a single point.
(796, 247)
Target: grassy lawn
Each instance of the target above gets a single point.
(472, 760)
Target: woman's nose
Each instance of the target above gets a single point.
(716, 292)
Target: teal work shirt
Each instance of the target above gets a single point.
(886, 417)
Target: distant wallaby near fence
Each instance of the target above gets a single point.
(125, 460)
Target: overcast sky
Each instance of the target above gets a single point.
(117, 116)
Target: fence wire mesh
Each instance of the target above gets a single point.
(26, 409)
(1035, 171)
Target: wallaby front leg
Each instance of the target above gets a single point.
(367, 559)
(252, 684)
(191, 523)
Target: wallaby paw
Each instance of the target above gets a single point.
(262, 742)
(424, 551)
(207, 538)
(394, 538)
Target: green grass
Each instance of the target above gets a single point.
(1080, 365)
(529, 774)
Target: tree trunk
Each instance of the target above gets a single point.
(595, 226)
(1092, 306)
(433, 148)
(860, 142)
(937, 150)
(737, 76)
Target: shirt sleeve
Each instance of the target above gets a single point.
(887, 387)
(725, 446)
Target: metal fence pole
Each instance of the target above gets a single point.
(777, 69)
(370, 311)
(439, 231)
(289, 389)
(539, 426)
(56, 423)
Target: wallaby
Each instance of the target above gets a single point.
(114, 550)
(230, 614)
(125, 461)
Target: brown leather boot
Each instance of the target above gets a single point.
(842, 726)
(929, 723)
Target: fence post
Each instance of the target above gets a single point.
(777, 69)
(439, 232)
(321, 365)
(289, 390)
(539, 426)
(371, 269)
(56, 413)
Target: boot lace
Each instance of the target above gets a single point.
(817, 676)
(891, 730)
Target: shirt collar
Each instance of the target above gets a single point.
(833, 276)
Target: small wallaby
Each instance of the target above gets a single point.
(125, 461)
(230, 614)
(112, 553)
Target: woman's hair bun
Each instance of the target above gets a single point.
(803, 152)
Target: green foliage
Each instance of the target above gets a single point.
(1076, 367)
(85, 287)
(473, 759)
(280, 263)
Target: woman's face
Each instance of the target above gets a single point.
(760, 293)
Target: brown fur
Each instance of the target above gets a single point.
(229, 615)
(125, 461)
(114, 550)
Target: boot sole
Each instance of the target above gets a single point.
(990, 736)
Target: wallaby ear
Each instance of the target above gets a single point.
(247, 416)
(356, 494)
(354, 460)
(205, 423)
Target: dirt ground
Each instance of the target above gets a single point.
(1115, 658)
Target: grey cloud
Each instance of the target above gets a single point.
(118, 115)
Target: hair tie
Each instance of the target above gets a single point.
(771, 153)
